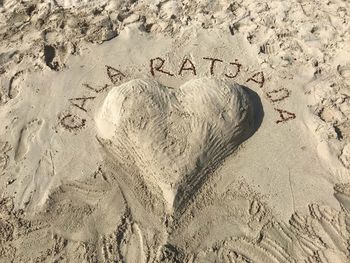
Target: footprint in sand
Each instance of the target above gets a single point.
(4, 158)
(26, 137)
(3, 162)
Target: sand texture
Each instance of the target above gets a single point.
(182, 131)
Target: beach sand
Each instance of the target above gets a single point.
(174, 131)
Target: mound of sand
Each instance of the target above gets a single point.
(176, 135)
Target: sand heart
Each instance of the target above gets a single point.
(177, 136)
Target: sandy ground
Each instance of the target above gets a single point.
(174, 131)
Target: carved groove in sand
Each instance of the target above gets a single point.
(177, 136)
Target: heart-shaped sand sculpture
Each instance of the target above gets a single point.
(177, 135)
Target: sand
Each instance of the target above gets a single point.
(174, 131)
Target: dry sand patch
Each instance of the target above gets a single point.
(204, 145)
